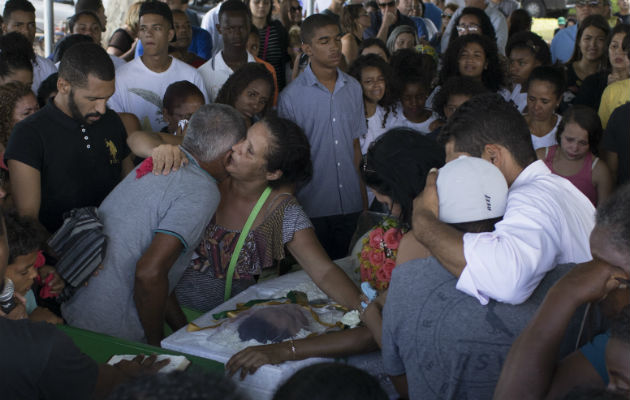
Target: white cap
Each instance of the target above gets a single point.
(471, 189)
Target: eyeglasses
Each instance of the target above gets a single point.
(447, 16)
(592, 4)
(385, 5)
(296, 9)
(461, 28)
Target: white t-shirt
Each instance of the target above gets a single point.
(42, 69)
(422, 127)
(547, 222)
(209, 22)
(140, 91)
(519, 99)
(215, 72)
(375, 126)
(549, 139)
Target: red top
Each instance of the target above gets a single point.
(583, 180)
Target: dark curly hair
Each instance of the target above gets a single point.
(456, 85)
(532, 42)
(551, 74)
(16, 53)
(493, 77)
(487, 29)
(397, 163)
(238, 81)
(289, 152)
(588, 120)
(388, 102)
(179, 91)
(23, 234)
(374, 42)
(10, 93)
(410, 66)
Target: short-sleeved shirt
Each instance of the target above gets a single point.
(614, 95)
(140, 91)
(79, 163)
(331, 121)
(179, 204)
(448, 345)
(617, 140)
(563, 44)
(42, 69)
(41, 362)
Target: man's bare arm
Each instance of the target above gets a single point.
(25, 188)
(151, 284)
(536, 348)
(443, 241)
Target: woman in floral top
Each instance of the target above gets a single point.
(395, 168)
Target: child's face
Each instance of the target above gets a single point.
(413, 98)
(522, 62)
(22, 272)
(618, 366)
(324, 49)
(453, 103)
(252, 44)
(373, 84)
(472, 61)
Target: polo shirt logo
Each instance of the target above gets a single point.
(113, 152)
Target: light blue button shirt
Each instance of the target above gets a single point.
(331, 121)
(563, 44)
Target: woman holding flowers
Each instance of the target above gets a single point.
(395, 168)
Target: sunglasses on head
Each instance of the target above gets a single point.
(385, 5)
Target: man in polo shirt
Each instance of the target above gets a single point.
(234, 26)
(386, 19)
(19, 16)
(73, 151)
(153, 224)
(328, 105)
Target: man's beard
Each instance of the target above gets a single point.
(76, 114)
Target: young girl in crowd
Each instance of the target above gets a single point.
(589, 54)
(476, 57)
(525, 51)
(16, 56)
(472, 21)
(415, 73)
(575, 158)
(249, 90)
(455, 92)
(273, 38)
(544, 93)
(18, 102)
(354, 20)
(402, 37)
(374, 75)
(374, 46)
(618, 69)
(26, 264)
(180, 102)
(290, 14)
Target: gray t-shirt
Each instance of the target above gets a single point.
(179, 204)
(449, 345)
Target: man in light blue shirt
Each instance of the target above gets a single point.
(563, 43)
(328, 105)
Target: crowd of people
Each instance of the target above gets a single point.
(211, 152)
